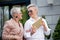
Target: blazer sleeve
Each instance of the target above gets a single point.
(6, 32)
(48, 29)
(27, 27)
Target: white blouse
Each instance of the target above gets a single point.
(39, 34)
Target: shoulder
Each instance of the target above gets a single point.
(28, 21)
(43, 19)
(7, 22)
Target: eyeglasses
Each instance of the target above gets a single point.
(30, 11)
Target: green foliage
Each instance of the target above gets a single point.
(56, 34)
(43, 16)
(25, 14)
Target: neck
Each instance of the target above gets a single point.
(16, 20)
(35, 17)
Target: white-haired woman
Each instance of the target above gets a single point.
(13, 29)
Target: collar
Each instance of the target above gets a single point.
(33, 19)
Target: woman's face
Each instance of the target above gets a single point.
(32, 11)
(19, 15)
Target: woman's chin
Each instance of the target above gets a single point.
(21, 18)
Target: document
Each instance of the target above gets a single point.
(37, 24)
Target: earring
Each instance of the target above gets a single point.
(16, 16)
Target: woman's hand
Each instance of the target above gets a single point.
(33, 30)
(43, 24)
(28, 30)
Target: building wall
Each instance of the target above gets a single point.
(51, 13)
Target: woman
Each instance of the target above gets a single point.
(31, 33)
(13, 29)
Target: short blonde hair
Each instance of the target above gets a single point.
(15, 10)
(31, 5)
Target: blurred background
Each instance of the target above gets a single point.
(48, 9)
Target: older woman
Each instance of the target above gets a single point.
(13, 29)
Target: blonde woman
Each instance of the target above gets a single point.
(31, 33)
(13, 29)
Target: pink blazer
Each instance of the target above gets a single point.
(12, 31)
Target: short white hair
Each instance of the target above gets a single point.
(31, 5)
(15, 10)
